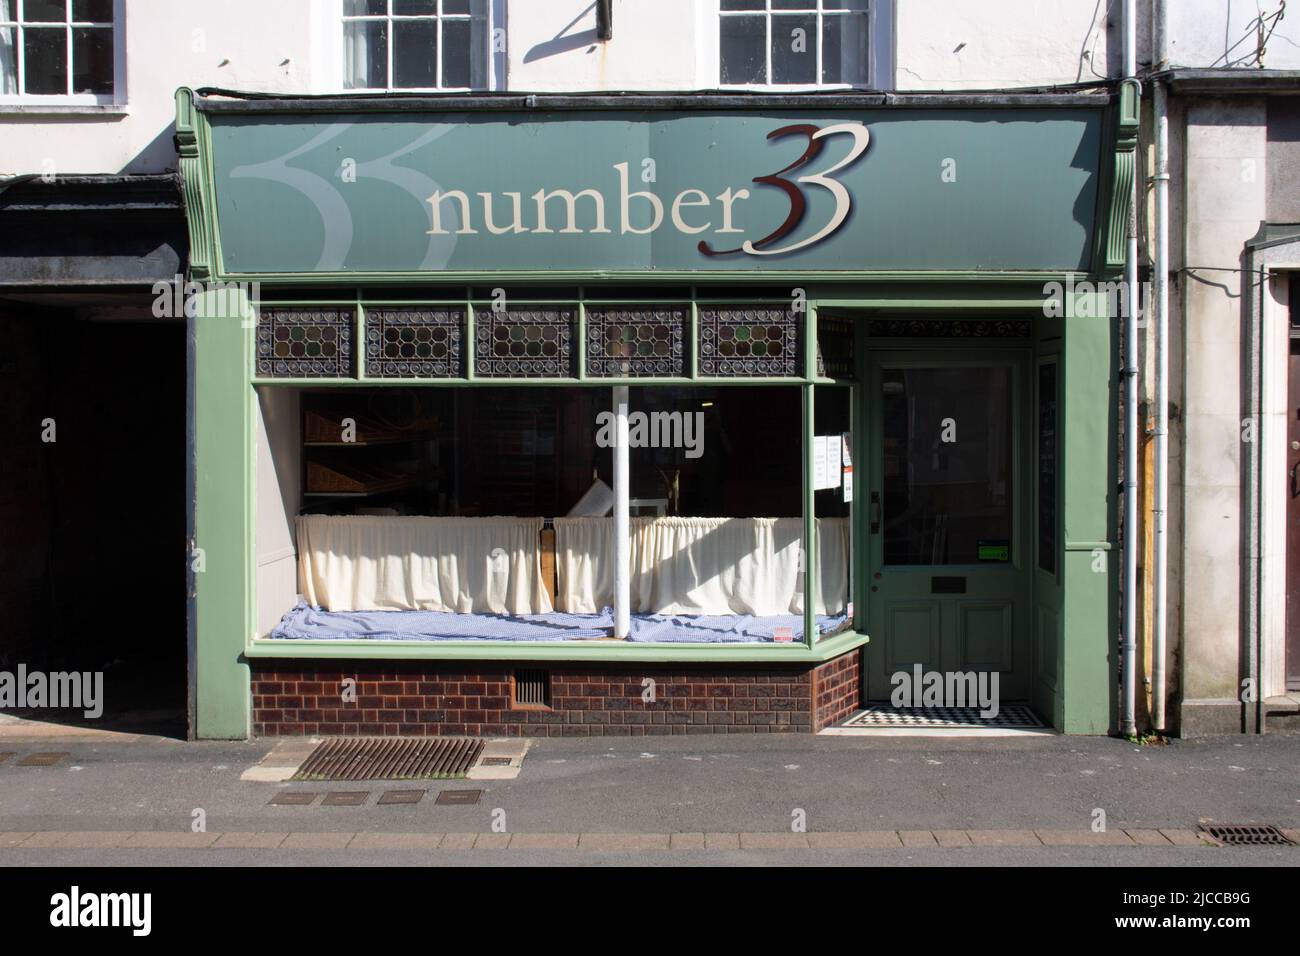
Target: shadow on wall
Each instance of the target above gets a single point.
(158, 156)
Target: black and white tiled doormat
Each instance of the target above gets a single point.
(886, 720)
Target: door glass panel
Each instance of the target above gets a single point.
(946, 465)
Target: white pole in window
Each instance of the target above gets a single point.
(622, 541)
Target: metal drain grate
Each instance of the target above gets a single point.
(391, 758)
(1250, 834)
(458, 797)
(1010, 716)
(41, 760)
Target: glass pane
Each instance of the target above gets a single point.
(415, 8)
(742, 4)
(45, 60)
(844, 5)
(456, 53)
(1047, 467)
(946, 465)
(844, 53)
(92, 11)
(742, 42)
(44, 11)
(364, 8)
(92, 60)
(455, 7)
(365, 54)
(832, 498)
(794, 49)
(8, 61)
(794, 4)
(415, 54)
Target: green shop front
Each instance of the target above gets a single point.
(578, 415)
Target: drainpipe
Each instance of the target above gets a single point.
(1160, 435)
(1128, 669)
(622, 540)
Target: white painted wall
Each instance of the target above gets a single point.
(960, 45)
(1225, 203)
(1217, 33)
(663, 45)
(279, 496)
(294, 46)
(239, 44)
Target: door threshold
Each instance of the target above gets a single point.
(884, 720)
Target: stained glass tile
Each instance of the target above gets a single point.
(524, 343)
(749, 341)
(636, 341)
(305, 343)
(414, 343)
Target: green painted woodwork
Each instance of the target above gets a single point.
(953, 632)
(1089, 607)
(350, 193)
(611, 651)
(920, 270)
(1118, 199)
(223, 524)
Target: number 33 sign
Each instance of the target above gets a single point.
(816, 136)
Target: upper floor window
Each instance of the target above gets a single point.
(416, 44)
(795, 42)
(57, 48)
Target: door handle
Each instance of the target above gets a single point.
(875, 511)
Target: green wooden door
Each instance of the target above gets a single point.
(947, 517)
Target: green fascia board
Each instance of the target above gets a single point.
(616, 651)
(197, 168)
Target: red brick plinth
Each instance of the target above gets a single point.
(586, 700)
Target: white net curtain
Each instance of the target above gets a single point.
(493, 565)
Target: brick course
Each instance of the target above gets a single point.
(419, 698)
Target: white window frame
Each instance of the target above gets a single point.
(880, 46)
(118, 26)
(496, 59)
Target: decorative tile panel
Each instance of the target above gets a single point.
(749, 341)
(305, 343)
(524, 343)
(949, 328)
(636, 341)
(414, 343)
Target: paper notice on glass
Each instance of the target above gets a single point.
(846, 441)
(819, 463)
(834, 458)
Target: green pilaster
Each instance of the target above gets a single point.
(1090, 558)
(223, 515)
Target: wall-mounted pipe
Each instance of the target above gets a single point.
(1128, 650)
(1160, 432)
